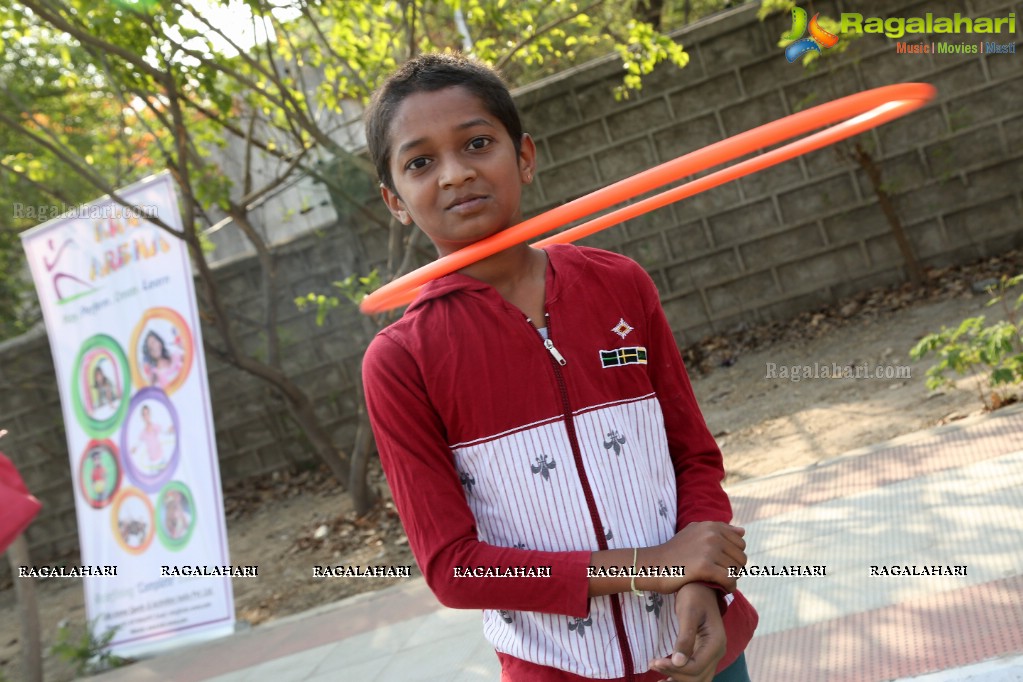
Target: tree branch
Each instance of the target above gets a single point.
(82, 170)
(82, 34)
(524, 42)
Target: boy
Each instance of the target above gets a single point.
(535, 422)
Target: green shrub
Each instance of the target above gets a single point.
(85, 651)
(992, 353)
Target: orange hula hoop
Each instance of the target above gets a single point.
(856, 113)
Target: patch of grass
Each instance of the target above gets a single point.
(84, 650)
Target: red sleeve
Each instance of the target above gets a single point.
(695, 455)
(18, 504)
(428, 494)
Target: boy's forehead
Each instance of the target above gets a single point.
(425, 113)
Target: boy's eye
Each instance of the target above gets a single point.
(479, 142)
(417, 163)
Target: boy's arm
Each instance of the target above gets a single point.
(430, 499)
(695, 455)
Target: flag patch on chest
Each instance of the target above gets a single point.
(632, 355)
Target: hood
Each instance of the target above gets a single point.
(446, 285)
(564, 267)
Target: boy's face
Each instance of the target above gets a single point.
(455, 170)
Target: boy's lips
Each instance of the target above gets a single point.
(466, 204)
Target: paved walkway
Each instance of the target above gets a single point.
(948, 496)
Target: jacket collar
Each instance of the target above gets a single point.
(564, 267)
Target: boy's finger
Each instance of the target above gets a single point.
(665, 667)
(687, 625)
(735, 557)
(676, 673)
(735, 539)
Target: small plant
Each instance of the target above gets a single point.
(994, 352)
(353, 287)
(85, 651)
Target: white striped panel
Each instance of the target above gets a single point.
(513, 505)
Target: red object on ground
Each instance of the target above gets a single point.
(19, 506)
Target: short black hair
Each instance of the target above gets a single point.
(428, 73)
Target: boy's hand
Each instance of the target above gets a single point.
(701, 637)
(706, 548)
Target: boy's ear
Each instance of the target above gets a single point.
(395, 205)
(527, 159)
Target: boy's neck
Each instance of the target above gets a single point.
(518, 274)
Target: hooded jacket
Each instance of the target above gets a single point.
(504, 451)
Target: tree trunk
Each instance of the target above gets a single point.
(652, 12)
(25, 589)
(870, 167)
(363, 496)
(304, 413)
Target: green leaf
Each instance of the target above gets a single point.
(1003, 376)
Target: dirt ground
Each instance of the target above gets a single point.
(766, 425)
(763, 425)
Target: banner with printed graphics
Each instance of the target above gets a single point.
(117, 297)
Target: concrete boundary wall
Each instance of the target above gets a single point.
(808, 231)
(802, 234)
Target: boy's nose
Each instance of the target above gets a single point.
(455, 172)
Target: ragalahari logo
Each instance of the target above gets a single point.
(818, 36)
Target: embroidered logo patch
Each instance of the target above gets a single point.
(633, 355)
(622, 329)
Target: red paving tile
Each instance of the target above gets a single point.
(926, 634)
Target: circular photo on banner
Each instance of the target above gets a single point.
(161, 350)
(175, 515)
(132, 519)
(99, 473)
(149, 440)
(100, 385)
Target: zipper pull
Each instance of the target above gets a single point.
(558, 357)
